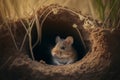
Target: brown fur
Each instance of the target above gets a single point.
(63, 52)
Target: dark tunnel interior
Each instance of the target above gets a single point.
(51, 29)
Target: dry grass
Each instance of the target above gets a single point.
(12, 10)
(108, 12)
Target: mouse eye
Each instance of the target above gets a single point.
(63, 47)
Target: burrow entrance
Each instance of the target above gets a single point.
(58, 25)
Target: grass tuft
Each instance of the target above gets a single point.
(108, 12)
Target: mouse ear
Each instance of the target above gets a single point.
(69, 40)
(57, 39)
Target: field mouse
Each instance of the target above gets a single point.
(63, 52)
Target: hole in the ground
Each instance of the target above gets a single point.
(51, 29)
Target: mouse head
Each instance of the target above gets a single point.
(62, 47)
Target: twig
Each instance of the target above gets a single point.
(13, 38)
(76, 27)
(39, 31)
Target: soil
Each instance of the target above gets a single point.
(101, 62)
